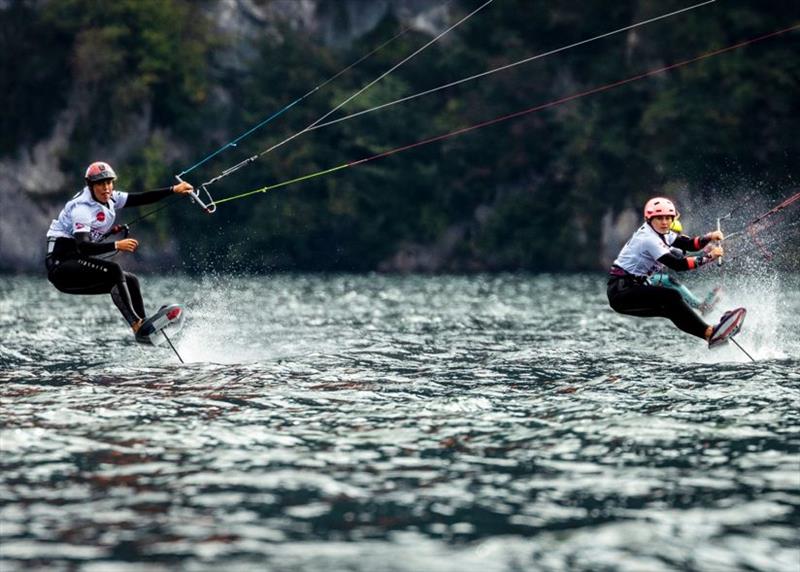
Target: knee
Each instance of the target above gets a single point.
(115, 272)
(131, 279)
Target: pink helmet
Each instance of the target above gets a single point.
(99, 171)
(659, 206)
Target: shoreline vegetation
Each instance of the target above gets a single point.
(152, 86)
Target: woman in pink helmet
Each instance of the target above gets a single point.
(77, 237)
(647, 252)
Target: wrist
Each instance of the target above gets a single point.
(703, 241)
(697, 261)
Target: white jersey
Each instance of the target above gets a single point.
(640, 254)
(84, 214)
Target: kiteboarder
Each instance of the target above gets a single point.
(649, 251)
(77, 239)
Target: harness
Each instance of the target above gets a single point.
(620, 279)
(60, 248)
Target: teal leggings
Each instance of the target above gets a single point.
(666, 281)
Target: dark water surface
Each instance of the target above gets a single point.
(373, 423)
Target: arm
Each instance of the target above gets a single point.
(89, 248)
(691, 244)
(140, 199)
(689, 262)
(698, 242)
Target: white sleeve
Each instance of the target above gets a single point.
(120, 198)
(81, 219)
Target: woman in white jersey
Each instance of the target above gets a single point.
(77, 236)
(647, 252)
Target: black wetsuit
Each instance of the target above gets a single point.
(627, 294)
(632, 295)
(73, 267)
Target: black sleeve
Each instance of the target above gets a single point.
(683, 263)
(691, 244)
(89, 248)
(140, 199)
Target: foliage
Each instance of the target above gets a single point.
(33, 84)
(524, 194)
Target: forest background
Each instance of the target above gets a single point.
(153, 86)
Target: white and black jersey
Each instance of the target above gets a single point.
(640, 254)
(648, 252)
(85, 214)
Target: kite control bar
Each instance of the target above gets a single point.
(207, 204)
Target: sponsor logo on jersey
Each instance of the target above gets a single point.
(101, 216)
(78, 226)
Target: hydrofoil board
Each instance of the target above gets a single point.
(728, 326)
(168, 320)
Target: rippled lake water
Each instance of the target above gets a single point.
(373, 423)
